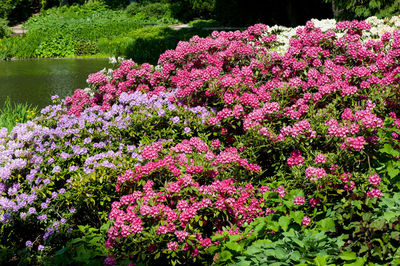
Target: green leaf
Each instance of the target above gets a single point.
(284, 222)
(358, 262)
(393, 172)
(387, 148)
(280, 253)
(389, 215)
(320, 261)
(357, 203)
(395, 235)
(252, 250)
(262, 242)
(327, 224)
(295, 255)
(297, 216)
(378, 225)
(347, 255)
(234, 238)
(234, 246)
(225, 255)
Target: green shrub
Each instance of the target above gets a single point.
(86, 247)
(349, 10)
(149, 10)
(5, 8)
(8, 47)
(203, 23)
(58, 46)
(85, 48)
(4, 30)
(116, 3)
(187, 10)
(66, 31)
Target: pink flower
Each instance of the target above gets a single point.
(206, 242)
(306, 220)
(315, 173)
(181, 235)
(375, 193)
(295, 159)
(374, 179)
(215, 143)
(172, 245)
(299, 200)
(349, 186)
(320, 158)
(281, 191)
(314, 202)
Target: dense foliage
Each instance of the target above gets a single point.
(95, 30)
(344, 9)
(4, 30)
(224, 152)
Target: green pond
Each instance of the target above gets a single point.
(35, 81)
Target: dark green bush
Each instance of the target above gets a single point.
(21, 10)
(85, 48)
(187, 10)
(149, 10)
(349, 10)
(146, 44)
(5, 8)
(269, 12)
(4, 30)
(116, 3)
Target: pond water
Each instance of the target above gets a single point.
(35, 81)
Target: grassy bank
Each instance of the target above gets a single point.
(140, 32)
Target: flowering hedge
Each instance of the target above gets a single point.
(231, 142)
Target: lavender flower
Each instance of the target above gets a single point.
(175, 119)
(56, 169)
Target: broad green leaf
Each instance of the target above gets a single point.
(280, 253)
(252, 250)
(284, 222)
(389, 215)
(225, 255)
(393, 172)
(295, 255)
(262, 242)
(234, 246)
(358, 262)
(327, 224)
(378, 225)
(387, 148)
(297, 216)
(320, 261)
(347, 255)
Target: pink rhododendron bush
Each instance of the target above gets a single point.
(225, 152)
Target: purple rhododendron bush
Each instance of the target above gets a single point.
(226, 152)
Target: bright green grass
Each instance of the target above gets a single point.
(12, 114)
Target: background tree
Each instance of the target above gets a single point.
(361, 9)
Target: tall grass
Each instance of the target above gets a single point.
(13, 113)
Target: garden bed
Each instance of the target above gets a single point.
(267, 146)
